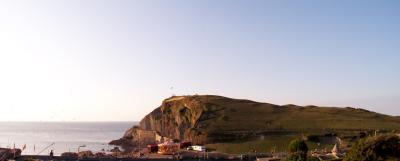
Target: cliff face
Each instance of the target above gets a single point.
(207, 119)
(182, 118)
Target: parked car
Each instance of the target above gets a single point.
(197, 148)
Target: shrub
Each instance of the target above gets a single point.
(378, 148)
(298, 146)
(298, 150)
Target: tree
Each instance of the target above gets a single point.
(298, 146)
(298, 150)
(378, 148)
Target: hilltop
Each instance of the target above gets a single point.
(214, 119)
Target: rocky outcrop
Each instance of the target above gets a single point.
(136, 136)
(178, 118)
(209, 119)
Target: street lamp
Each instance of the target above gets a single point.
(81, 146)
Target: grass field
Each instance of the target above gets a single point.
(268, 145)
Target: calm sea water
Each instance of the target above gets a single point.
(65, 136)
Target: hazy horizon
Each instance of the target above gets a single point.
(117, 60)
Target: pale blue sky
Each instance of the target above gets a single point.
(116, 60)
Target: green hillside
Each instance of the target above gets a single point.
(244, 115)
(234, 124)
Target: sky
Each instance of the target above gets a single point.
(102, 60)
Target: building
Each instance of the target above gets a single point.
(168, 148)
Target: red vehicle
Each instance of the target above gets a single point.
(152, 148)
(184, 145)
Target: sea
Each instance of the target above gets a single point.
(39, 138)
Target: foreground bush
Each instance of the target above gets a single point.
(379, 148)
(298, 146)
(298, 151)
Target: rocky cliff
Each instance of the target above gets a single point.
(182, 118)
(207, 118)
